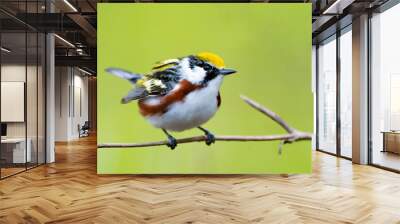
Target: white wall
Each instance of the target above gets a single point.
(12, 101)
(81, 112)
(14, 73)
(62, 81)
(71, 102)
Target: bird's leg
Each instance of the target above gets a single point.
(210, 138)
(171, 140)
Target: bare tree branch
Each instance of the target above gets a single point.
(295, 137)
(292, 136)
(268, 112)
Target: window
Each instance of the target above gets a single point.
(327, 95)
(346, 92)
(385, 89)
(22, 78)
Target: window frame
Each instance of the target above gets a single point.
(337, 35)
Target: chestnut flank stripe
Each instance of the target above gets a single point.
(185, 87)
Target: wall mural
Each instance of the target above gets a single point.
(218, 54)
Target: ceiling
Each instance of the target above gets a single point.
(75, 21)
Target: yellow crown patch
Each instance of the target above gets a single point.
(212, 58)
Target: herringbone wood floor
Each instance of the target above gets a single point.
(70, 191)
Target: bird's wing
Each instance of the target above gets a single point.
(131, 77)
(163, 77)
(135, 94)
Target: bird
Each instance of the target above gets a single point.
(178, 94)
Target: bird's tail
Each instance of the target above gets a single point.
(136, 93)
(131, 77)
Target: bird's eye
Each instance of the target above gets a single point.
(207, 67)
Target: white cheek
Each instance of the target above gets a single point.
(195, 76)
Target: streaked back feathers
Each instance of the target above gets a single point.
(162, 65)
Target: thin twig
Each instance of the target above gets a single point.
(298, 136)
(292, 136)
(269, 113)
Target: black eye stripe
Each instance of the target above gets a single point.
(210, 69)
(207, 67)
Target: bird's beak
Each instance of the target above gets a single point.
(226, 71)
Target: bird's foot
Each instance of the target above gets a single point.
(172, 143)
(210, 138)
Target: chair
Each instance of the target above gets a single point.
(84, 129)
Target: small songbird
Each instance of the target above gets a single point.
(178, 94)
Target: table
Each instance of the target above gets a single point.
(391, 141)
(16, 147)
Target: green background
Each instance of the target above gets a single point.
(270, 46)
